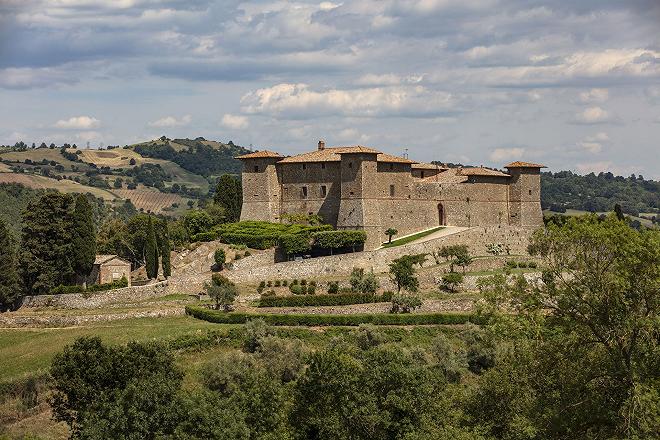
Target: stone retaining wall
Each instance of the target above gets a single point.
(51, 320)
(476, 238)
(96, 299)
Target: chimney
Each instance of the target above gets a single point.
(321, 145)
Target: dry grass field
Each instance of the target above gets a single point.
(64, 185)
(151, 199)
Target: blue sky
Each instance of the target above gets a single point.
(572, 84)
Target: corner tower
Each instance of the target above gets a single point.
(261, 194)
(525, 194)
(359, 207)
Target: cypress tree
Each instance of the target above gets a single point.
(9, 288)
(45, 258)
(151, 251)
(165, 252)
(84, 238)
(229, 195)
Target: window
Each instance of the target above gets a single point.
(391, 190)
(256, 168)
(391, 166)
(422, 174)
(304, 166)
(530, 192)
(304, 192)
(324, 191)
(350, 164)
(322, 166)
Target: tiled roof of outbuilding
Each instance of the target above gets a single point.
(481, 171)
(519, 164)
(259, 155)
(100, 259)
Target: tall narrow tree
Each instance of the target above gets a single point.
(9, 288)
(46, 243)
(151, 251)
(165, 251)
(84, 238)
(229, 195)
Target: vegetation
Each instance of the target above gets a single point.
(229, 196)
(9, 287)
(220, 258)
(84, 238)
(452, 280)
(326, 239)
(599, 193)
(222, 291)
(362, 282)
(151, 251)
(402, 272)
(390, 232)
(403, 303)
(411, 238)
(77, 288)
(342, 299)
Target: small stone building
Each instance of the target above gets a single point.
(361, 188)
(109, 268)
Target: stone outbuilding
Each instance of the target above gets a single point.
(109, 268)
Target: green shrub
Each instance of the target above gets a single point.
(261, 287)
(61, 289)
(220, 257)
(295, 281)
(269, 283)
(247, 253)
(312, 283)
(268, 294)
(262, 284)
(339, 239)
(303, 282)
(335, 320)
(262, 235)
(295, 243)
(363, 282)
(297, 289)
(238, 257)
(220, 280)
(452, 280)
(532, 265)
(204, 237)
(311, 290)
(285, 283)
(511, 264)
(333, 287)
(325, 300)
(402, 303)
(278, 283)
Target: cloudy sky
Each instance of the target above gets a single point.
(572, 84)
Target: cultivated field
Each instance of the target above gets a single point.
(37, 155)
(64, 185)
(150, 199)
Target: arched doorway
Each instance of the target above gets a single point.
(441, 214)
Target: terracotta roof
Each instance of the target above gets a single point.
(449, 175)
(259, 155)
(333, 154)
(519, 164)
(427, 166)
(480, 171)
(100, 259)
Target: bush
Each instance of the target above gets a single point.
(295, 243)
(237, 257)
(511, 264)
(269, 283)
(278, 283)
(261, 287)
(532, 265)
(219, 257)
(325, 300)
(311, 290)
(285, 283)
(264, 235)
(61, 289)
(402, 303)
(335, 320)
(203, 237)
(220, 280)
(452, 280)
(312, 283)
(303, 282)
(333, 287)
(247, 253)
(339, 239)
(268, 294)
(297, 289)
(522, 264)
(295, 281)
(363, 282)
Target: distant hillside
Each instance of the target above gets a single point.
(199, 156)
(598, 193)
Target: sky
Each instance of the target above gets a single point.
(574, 85)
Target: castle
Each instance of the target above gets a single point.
(361, 188)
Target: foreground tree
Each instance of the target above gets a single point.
(46, 258)
(591, 330)
(402, 272)
(229, 195)
(84, 238)
(222, 291)
(9, 288)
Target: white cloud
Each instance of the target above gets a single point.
(352, 135)
(235, 122)
(300, 101)
(593, 115)
(171, 121)
(78, 123)
(27, 78)
(506, 154)
(594, 96)
(594, 144)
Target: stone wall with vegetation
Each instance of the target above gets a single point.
(97, 299)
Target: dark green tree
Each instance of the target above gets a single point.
(229, 195)
(9, 288)
(165, 251)
(46, 257)
(84, 238)
(402, 272)
(619, 212)
(151, 251)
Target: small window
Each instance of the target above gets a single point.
(530, 192)
(304, 192)
(323, 166)
(350, 164)
(467, 200)
(304, 166)
(391, 166)
(352, 193)
(422, 174)
(256, 168)
(324, 191)
(391, 190)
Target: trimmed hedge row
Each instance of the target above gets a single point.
(338, 320)
(339, 239)
(343, 299)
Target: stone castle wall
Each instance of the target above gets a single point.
(477, 239)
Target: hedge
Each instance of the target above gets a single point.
(295, 243)
(338, 320)
(338, 239)
(324, 300)
(61, 289)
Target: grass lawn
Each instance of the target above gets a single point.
(411, 238)
(29, 351)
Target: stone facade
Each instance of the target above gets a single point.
(109, 268)
(361, 188)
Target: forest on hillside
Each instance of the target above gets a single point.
(599, 192)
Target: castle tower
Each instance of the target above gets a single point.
(359, 207)
(525, 194)
(261, 189)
